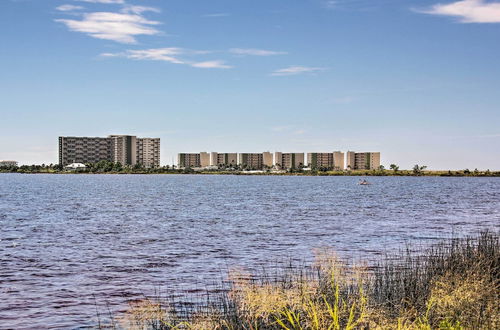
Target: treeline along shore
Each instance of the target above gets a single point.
(105, 167)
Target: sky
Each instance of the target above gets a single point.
(418, 81)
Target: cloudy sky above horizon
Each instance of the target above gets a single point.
(416, 80)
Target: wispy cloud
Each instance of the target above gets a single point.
(158, 54)
(171, 55)
(139, 9)
(211, 65)
(105, 1)
(295, 70)
(119, 27)
(330, 4)
(255, 52)
(69, 8)
(467, 11)
(217, 15)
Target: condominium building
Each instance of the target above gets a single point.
(328, 160)
(267, 159)
(223, 159)
(84, 150)
(363, 160)
(6, 163)
(251, 160)
(204, 159)
(188, 160)
(123, 149)
(288, 160)
(148, 152)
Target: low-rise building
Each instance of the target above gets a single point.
(223, 159)
(188, 160)
(253, 161)
(326, 160)
(8, 163)
(363, 160)
(267, 159)
(204, 159)
(75, 166)
(284, 160)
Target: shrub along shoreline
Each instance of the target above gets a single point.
(452, 285)
(110, 168)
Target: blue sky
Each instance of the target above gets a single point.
(418, 81)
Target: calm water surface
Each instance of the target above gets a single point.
(66, 238)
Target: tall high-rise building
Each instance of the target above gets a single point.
(83, 150)
(328, 160)
(148, 152)
(123, 149)
(363, 160)
(285, 160)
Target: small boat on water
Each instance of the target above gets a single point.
(364, 182)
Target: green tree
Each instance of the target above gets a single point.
(418, 169)
(394, 167)
(117, 167)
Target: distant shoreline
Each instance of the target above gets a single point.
(399, 173)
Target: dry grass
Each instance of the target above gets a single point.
(453, 285)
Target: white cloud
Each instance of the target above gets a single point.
(118, 27)
(295, 70)
(105, 1)
(170, 55)
(158, 54)
(68, 8)
(331, 4)
(139, 9)
(211, 65)
(255, 52)
(468, 11)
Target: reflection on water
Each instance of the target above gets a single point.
(66, 238)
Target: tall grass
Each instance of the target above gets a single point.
(451, 285)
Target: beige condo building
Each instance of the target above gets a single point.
(188, 160)
(267, 159)
(223, 159)
(148, 152)
(204, 159)
(284, 160)
(329, 160)
(363, 160)
(251, 160)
